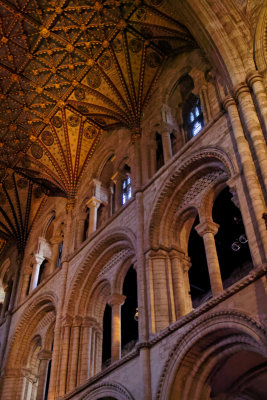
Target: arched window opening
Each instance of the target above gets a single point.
(200, 288)
(159, 152)
(129, 326)
(60, 248)
(42, 272)
(231, 241)
(193, 115)
(126, 190)
(106, 342)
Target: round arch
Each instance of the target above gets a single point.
(27, 325)
(172, 192)
(108, 390)
(110, 244)
(196, 356)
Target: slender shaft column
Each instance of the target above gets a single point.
(255, 81)
(116, 301)
(35, 272)
(55, 242)
(55, 367)
(64, 355)
(93, 205)
(80, 231)
(249, 171)
(137, 172)
(26, 281)
(167, 147)
(74, 352)
(92, 355)
(178, 283)
(188, 300)
(253, 126)
(153, 166)
(44, 357)
(207, 230)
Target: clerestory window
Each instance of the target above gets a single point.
(126, 190)
(193, 115)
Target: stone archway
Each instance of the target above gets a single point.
(223, 356)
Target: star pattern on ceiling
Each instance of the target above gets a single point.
(70, 69)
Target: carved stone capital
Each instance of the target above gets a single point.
(159, 253)
(241, 89)
(116, 299)
(77, 320)
(253, 77)
(207, 227)
(45, 355)
(93, 202)
(89, 321)
(67, 320)
(228, 101)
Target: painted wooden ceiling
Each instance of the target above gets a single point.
(70, 69)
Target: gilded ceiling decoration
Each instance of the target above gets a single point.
(21, 202)
(70, 69)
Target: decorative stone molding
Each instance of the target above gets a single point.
(108, 389)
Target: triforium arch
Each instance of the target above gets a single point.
(196, 365)
(84, 313)
(183, 185)
(110, 390)
(30, 351)
(109, 245)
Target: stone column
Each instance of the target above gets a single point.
(188, 301)
(55, 242)
(74, 352)
(80, 230)
(159, 290)
(152, 154)
(137, 165)
(44, 357)
(116, 300)
(255, 81)
(85, 349)
(208, 230)
(35, 271)
(93, 205)
(64, 355)
(252, 182)
(253, 126)
(26, 281)
(178, 282)
(117, 178)
(167, 147)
